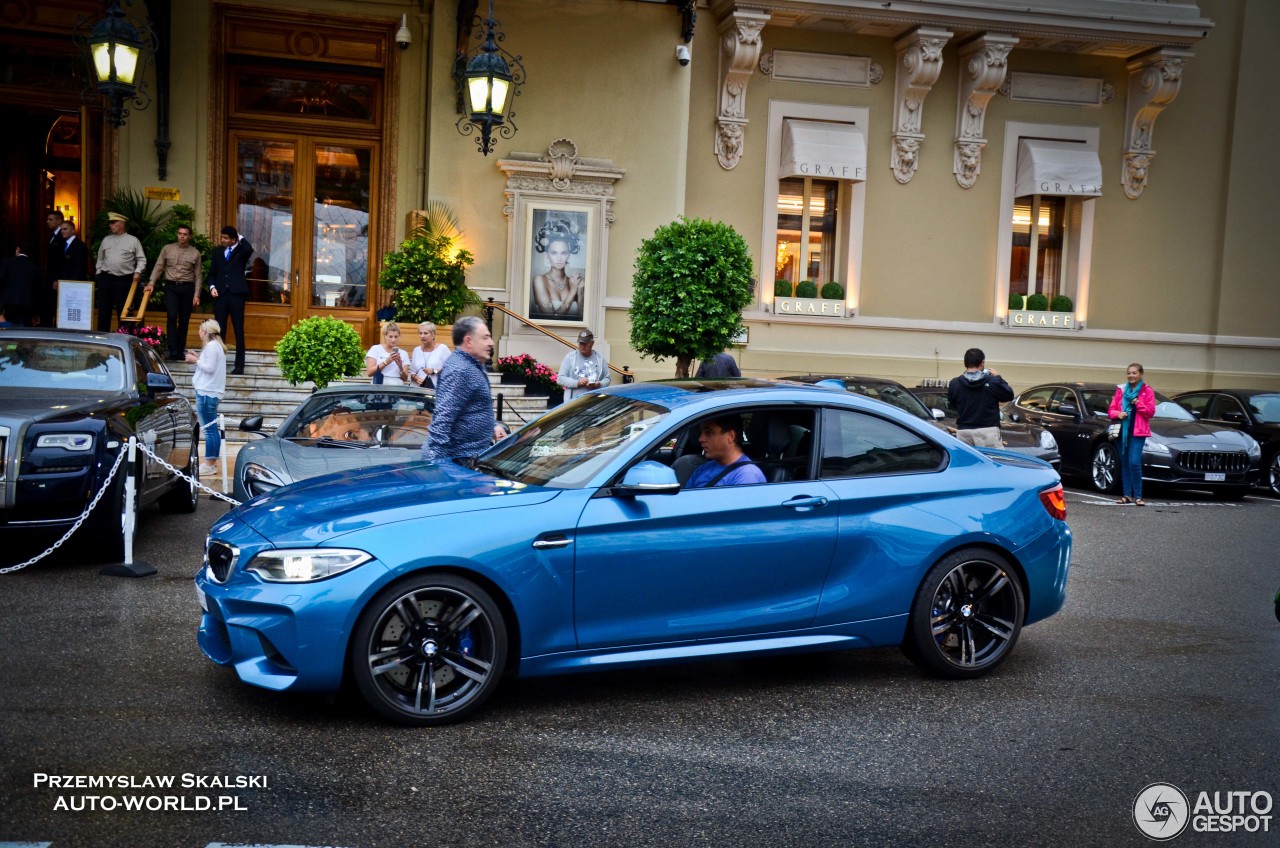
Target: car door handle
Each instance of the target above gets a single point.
(804, 503)
(552, 542)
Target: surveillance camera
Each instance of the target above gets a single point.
(403, 36)
(682, 54)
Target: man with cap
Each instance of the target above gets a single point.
(583, 370)
(121, 262)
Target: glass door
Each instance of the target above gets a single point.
(305, 204)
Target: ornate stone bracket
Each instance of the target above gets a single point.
(919, 64)
(739, 51)
(1154, 81)
(983, 63)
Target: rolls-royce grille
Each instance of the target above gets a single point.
(220, 557)
(1211, 461)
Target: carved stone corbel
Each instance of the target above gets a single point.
(983, 62)
(739, 52)
(919, 64)
(1154, 82)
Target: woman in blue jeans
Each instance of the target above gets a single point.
(210, 383)
(1133, 405)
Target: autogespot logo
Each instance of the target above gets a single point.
(1160, 811)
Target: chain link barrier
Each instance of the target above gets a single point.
(124, 450)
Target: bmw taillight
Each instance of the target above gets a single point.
(1055, 502)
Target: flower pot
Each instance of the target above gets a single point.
(511, 379)
(555, 398)
(537, 389)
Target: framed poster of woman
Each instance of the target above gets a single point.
(558, 249)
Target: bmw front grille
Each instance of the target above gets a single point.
(219, 558)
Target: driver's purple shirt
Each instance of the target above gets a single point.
(746, 472)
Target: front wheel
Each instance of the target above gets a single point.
(184, 496)
(429, 650)
(966, 616)
(1272, 472)
(1104, 471)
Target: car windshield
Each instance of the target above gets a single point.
(568, 446)
(371, 417)
(61, 365)
(1099, 402)
(1266, 408)
(892, 395)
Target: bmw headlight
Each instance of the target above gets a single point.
(66, 441)
(1047, 441)
(303, 565)
(1153, 446)
(258, 479)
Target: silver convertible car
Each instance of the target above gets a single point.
(340, 427)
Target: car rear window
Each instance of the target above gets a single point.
(61, 365)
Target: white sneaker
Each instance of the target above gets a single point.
(208, 468)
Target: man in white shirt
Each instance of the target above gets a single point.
(583, 370)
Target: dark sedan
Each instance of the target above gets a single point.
(1181, 451)
(1252, 411)
(1021, 437)
(339, 428)
(876, 388)
(69, 401)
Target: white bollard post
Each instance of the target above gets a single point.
(222, 454)
(129, 568)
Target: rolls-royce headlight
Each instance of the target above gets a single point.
(303, 565)
(258, 479)
(66, 441)
(1047, 441)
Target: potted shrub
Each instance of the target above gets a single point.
(1060, 303)
(539, 380)
(320, 350)
(807, 288)
(1016, 301)
(427, 275)
(833, 291)
(149, 333)
(1037, 303)
(783, 288)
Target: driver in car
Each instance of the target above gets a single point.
(726, 465)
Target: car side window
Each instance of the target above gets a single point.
(1037, 400)
(1097, 404)
(1224, 404)
(855, 444)
(1195, 404)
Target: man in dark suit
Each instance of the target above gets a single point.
(230, 288)
(75, 254)
(46, 296)
(19, 279)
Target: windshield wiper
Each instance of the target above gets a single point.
(330, 442)
(490, 469)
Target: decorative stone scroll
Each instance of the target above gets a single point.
(561, 172)
(739, 49)
(1154, 82)
(983, 62)
(919, 64)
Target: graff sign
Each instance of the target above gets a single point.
(1048, 320)
(809, 306)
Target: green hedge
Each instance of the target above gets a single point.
(833, 291)
(807, 288)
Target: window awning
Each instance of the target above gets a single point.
(1057, 167)
(821, 149)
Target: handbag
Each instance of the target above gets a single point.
(1113, 431)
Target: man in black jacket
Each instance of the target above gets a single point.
(230, 288)
(976, 395)
(19, 279)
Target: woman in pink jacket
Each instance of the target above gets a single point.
(1133, 406)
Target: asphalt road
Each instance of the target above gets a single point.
(1163, 667)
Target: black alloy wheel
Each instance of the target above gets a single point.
(966, 616)
(184, 496)
(429, 650)
(1104, 470)
(1272, 472)
(105, 536)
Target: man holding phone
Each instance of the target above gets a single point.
(976, 395)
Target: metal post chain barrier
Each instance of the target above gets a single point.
(195, 481)
(74, 527)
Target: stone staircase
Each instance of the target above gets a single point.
(261, 390)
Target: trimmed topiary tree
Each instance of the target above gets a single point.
(1060, 303)
(427, 277)
(1037, 303)
(1016, 301)
(833, 291)
(807, 288)
(783, 288)
(692, 280)
(320, 349)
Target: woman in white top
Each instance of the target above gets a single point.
(428, 359)
(210, 382)
(387, 358)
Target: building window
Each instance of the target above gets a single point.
(807, 234)
(814, 199)
(1051, 177)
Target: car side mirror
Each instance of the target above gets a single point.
(252, 424)
(1014, 416)
(938, 414)
(1068, 409)
(158, 383)
(648, 478)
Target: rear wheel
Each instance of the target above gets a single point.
(966, 616)
(184, 496)
(429, 650)
(1272, 472)
(1104, 471)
